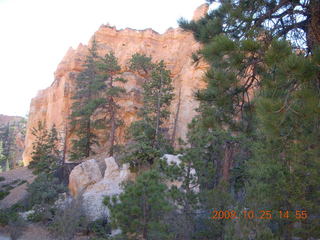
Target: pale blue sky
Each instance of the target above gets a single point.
(35, 35)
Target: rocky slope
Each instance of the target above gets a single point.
(175, 47)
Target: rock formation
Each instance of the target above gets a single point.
(200, 12)
(175, 47)
(96, 178)
(88, 180)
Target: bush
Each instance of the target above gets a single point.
(3, 194)
(42, 213)
(69, 220)
(2, 179)
(8, 215)
(44, 190)
(100, 228)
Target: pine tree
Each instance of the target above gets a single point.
(266, 91)
(109, 67)
(140, 210)
(87, 99)
(2, 157)
(148, 139)
(45, 155)
(7, 137)
(289, 117)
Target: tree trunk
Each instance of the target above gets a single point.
(113, 119)
(113, 128)
(144, 221)
(158, 112)
(176, 119)
(313, 29)
(87, 151)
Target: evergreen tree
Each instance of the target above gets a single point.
(45, 155)
(148, 139)
(140, 210)
(2, 157)
(265, 91)
(288, 119)
(8, 134)
(109, 67)
(87, 99)
(7, 137)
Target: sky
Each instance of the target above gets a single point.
(36, 34)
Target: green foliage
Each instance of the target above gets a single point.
(6, 188)
(96, 89)
(45, 155)
(42, 213)
(10, 153)
(109, 67)
(100, 228)
(286, 159)
(260, 110)
(2, 156)
(140, 62)
(8, 215)
(44, 190)
(148, 138)
(3, 194)
(140, 209)
(87, 99)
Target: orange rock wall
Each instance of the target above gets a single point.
(175, 47)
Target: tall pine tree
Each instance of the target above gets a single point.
(109, 68)
(148, 137)
(87, 99)
(266, 91)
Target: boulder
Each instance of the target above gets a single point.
(83, 175)
(93, 192)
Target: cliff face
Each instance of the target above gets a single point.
(175, 47)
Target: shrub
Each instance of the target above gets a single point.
(8, 215)
(2, 179)
(42, 213)
(69, 220)
(44, 190)
(100, 228)
(3, 194)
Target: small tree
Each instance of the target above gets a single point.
(140, 210)
(45, 155)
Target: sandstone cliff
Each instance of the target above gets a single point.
(175, 47)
